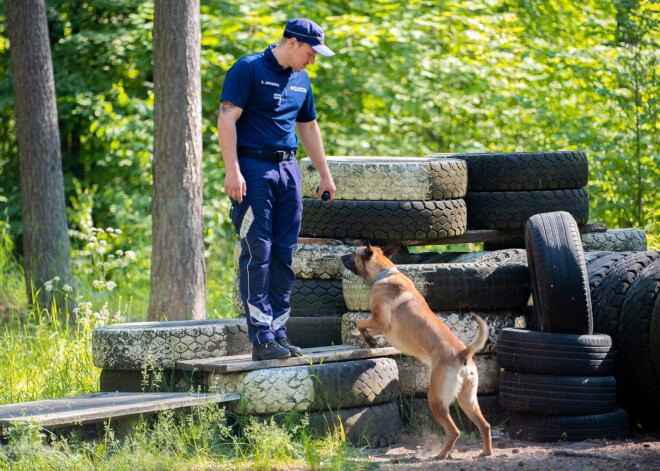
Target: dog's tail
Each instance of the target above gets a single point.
(478, 344)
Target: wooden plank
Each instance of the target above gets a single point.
(311, 356)
(481, 235)
(184, 364)
(97, 407)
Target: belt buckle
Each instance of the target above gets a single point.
(281, 155)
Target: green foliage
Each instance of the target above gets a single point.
(469, 76)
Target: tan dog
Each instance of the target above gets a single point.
(401, 314)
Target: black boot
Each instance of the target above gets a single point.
(269, 350)
(284, 342)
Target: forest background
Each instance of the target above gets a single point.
(409, 79)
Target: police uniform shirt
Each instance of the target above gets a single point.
(272, 99)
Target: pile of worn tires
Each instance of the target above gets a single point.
(558, 383)
(624, 289)
(417, 199)
(505, 189)
(360, 394)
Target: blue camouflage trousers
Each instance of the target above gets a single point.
(267, 222)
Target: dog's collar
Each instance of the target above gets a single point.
(384, 274)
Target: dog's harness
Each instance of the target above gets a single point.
(384, 274)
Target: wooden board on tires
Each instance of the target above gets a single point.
(88, 408)
(311, 356)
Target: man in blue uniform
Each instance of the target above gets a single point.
(266, 97)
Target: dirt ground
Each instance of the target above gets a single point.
(412, 452)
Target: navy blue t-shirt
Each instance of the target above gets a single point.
(272, 98)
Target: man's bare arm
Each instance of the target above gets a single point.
(234, 181)
(310, 137)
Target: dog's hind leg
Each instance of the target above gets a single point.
(440, 398)
(467, 399)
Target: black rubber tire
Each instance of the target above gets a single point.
(373, 427)
(609, 296)
(504, 256)
(381, 221)
(558, 274)
(557, 395)
(139, 345)
(529, 351)
(309, 332)
(508, 171)
(592, 257)
(510, 210)
(616, 240)
(598, 269)
(541, 428)
(326, 386)
(317, 298)
(372, 178)
(641, 381)
(456, 286)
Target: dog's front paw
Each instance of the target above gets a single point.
(371, 341)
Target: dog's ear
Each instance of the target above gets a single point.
(367, 252)
(391, 248)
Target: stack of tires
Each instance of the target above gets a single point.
(624, 290)
(558, 383)
(387, 198)
(417, 199)
(506, 189)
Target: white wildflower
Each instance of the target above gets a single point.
(110, 285)
(57, 278)
(118, 231)
(67, 288)
(98, 284)
(131, 255)
(109, 229)
(119, 253)
(48, 285)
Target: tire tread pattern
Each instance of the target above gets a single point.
(381, 221)
(509, 171)
(510, 210)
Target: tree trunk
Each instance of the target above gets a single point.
(178, 278)
(45, 239)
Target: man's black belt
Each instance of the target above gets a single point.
(266, 154)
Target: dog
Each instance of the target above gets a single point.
(400, 313)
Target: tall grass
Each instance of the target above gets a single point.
(203, 439)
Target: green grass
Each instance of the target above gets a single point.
(202, 439)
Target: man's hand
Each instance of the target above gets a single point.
(235, 185)
(327, 184)
(234, 181)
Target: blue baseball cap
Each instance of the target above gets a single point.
(307, 31)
